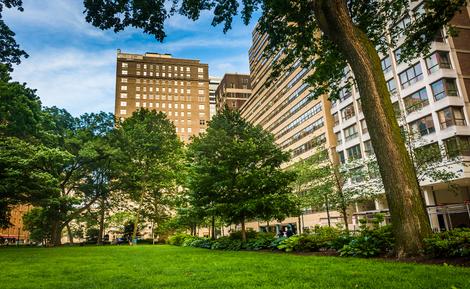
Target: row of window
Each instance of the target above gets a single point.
(301, 119)
(309, 145)
(162, 67)
(309, 130)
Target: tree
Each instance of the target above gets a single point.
(236, 174)
(10, 52)
(323, 183)
(326, 35)
(150, 160)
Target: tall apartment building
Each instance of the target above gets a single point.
(432, 97)
(177, 87)
(213, 84)
(285, 108)
(234, 89)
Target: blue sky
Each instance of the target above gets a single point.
(72, 64)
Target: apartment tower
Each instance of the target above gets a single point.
(177, 87)
(234, 89)
(431, 99)
(285, 108)
(213, 84)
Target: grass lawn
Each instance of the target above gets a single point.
(176, 267)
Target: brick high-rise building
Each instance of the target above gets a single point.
(177, 87)
(285, 107)
(234, 89)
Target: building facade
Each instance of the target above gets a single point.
(299, 123)
(213, 84)
(16, 233)
(430, 96)
(177, 87)
(233, 91)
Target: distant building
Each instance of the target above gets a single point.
(16, 231)
(177, 87)
(233, 91)
(214, 82)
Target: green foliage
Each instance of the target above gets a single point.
(10, 52)
(37, 222)
(178, 239)
(453, 243)
(236, 174)
(250, 234)
(259, 242)
(321, 238)
(371, 241)
(227, 244)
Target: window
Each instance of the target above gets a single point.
(202, 122)
(437, 60)
(354, 152)
(190, 129)
(123, 103)
(423, 126)
(345, 93)
(123, 111)
(339, 139)
(396, 109)
(125, 65)
(386, 64)
(401, 26)
(350, 132)
(457, 146)
(188, 106)
(137, 104)
(429, 153)
(411, 75)
(201, 91)
(123, 95)
(364, 126)
(368, 150)
(348, 112)
(443, 88)
(439, 37)
(341, 157)
(397, 54)
(450, 116)
(123, 87)
(392, 86)
(202, 107)
(416, 100)
(335, 118)
(200, 70)
(124, 80)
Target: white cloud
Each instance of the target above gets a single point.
(76, 80)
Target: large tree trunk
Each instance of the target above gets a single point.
(243, 231)
(137, 218)
(56, 233)
(409, 218)
(213, 228)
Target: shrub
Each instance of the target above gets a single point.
(262, 241)
(204, 243)
(320, 238)
(226, 243)
(250, 234)
(371, 241)
(178, 239)
(453, 243)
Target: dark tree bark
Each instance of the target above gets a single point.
(409, 218)
(213, 228)
(69, 233)
(243, 231)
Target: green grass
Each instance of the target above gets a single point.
(176, 267)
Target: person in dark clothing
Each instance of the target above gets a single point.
(289, 231)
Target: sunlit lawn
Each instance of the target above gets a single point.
(176, 267)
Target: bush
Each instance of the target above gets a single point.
(250, 234)
(453, 243)
(320, 238)
(371, 241)
(262, 241)
(178, 239)
(204, 243)
(226, 243)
